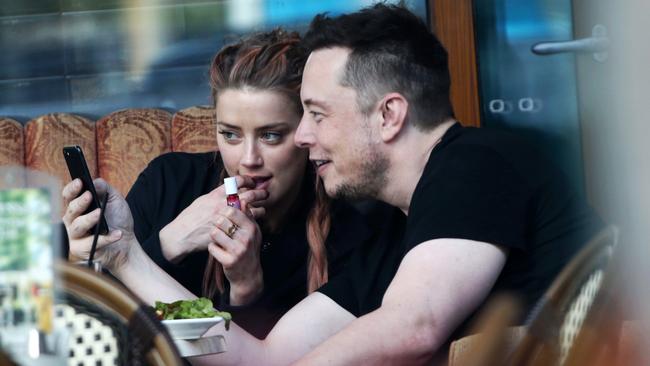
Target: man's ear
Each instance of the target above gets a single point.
(393, 113)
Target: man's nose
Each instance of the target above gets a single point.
(304, 136)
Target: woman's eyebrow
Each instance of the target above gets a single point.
(272, 125)
(268, 126)
(227, 125)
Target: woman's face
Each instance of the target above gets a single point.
(255, 136)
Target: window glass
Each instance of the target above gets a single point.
(92, 57)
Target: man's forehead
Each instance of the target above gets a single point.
(326, 62)
(321, 81)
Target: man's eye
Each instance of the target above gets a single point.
(317, 116)
(272, 137)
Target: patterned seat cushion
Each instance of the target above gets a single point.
(12, 151)
(128, 140)
(45, 137)
(194, 130)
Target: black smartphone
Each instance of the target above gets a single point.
(74, 158)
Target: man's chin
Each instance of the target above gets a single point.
(349, 193)
(335, 191)
(329, 190)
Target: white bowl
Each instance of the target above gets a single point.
(190, 328)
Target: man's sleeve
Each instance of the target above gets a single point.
(341, 290)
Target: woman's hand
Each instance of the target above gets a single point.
(112, 249)
(190, 230)
(237, 239)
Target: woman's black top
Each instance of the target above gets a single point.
(173, 181)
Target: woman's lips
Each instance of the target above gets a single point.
(262, 182)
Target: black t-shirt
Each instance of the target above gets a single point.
(173, 181)
(485, 186)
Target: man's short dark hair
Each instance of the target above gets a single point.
(392, 50)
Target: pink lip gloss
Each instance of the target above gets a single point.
(232, 199)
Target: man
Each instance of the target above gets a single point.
(485, 212)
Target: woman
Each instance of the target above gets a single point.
(256, 270)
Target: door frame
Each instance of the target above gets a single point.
(453, 22)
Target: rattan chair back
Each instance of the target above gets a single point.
(107, 324)
(560, 314)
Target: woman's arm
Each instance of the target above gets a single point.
(306, 325)
(168, 237)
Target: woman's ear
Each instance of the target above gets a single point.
(394, 110)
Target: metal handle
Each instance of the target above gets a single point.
(597, 44)
(584, 45)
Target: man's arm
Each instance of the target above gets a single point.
(306, 325)
(438, 284)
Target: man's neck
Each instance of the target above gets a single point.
(409, 156)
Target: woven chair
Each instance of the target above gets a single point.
(606, 338)
(107, 325)
(559, 316)
(492, 335)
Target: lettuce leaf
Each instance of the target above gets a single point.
(190, 309)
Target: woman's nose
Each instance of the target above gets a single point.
(252, 156)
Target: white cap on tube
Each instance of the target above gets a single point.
(231, 185)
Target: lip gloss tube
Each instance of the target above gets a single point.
(232, 199)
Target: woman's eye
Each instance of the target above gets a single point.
(228, 135)
(271, 137)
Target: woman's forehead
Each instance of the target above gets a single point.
(253, 108)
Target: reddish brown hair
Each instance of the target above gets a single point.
(271, 61)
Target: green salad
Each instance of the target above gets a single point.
(189, 309)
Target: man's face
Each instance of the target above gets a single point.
(342, 141)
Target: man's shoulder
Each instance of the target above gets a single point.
(483, 140)
(508, 144)
(486, 153)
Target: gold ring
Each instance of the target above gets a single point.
(231, 230)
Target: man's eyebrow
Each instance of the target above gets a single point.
(311, 102)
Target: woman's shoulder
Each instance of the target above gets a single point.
(183, 159)
(182, 163)
(175, 169)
